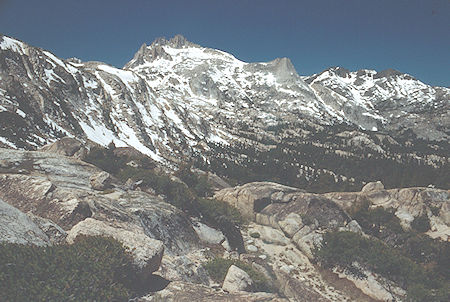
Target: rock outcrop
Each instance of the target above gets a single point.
(147, 252)
(237, 280)
(100, 181)
(288, 224)
(66, 146)
(17, 227)
(373, 186)
(56, 191)
(407, 204)
(188, 292)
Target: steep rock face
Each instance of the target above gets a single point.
(17, 227)
(59, 188)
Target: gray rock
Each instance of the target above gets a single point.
(188, 292)
(373, 186)
(291, 224)
(208, 234)
(100, 181)
(59, 189)
(353, 226)
(271, 236)
(251, 248)
(54, 232)
(237, 280)
(17, 227)
(308, 243)
(147, 252)
(66, 146)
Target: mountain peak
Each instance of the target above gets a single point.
(178, 41)
(340, 71)
(387, 73)
(283, 68)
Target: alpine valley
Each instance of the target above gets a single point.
(225, 180)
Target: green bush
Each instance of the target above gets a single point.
(199, 184)
(421, 223)
(218, 268)
(344, 248)
(376, 221)
(105, 159)
(255, 235)
(91, 269)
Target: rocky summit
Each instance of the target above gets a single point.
(189, 175)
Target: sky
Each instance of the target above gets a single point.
(411, 36)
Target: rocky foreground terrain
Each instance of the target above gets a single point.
(50, 197)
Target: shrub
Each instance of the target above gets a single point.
(218, 268)
(255, 235)
(376, 221)
(421, 223)
(199, 184)
(344, 248)
(93, 268)
(105, 159)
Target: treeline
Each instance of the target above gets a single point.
(314, 165)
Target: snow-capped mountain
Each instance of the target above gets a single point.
(175, 96)
(396, 100)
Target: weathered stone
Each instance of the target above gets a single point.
(17, 227)
(374, 286)
(100, 181)
(307, 243)
(188, 292)
(373, 186)
(147, 252)
(271, 236)
(66, 146)
(237, 280)
(353, 226)
(252, 198)
(291, 224)
(407, 203)
(187, 268)
(208, 234)
(54, 232)
(251, 248)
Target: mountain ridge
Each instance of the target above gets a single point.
(177, 100)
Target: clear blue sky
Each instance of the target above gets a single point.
(408, 35)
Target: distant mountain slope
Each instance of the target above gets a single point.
(395, 99)
(175, 100)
